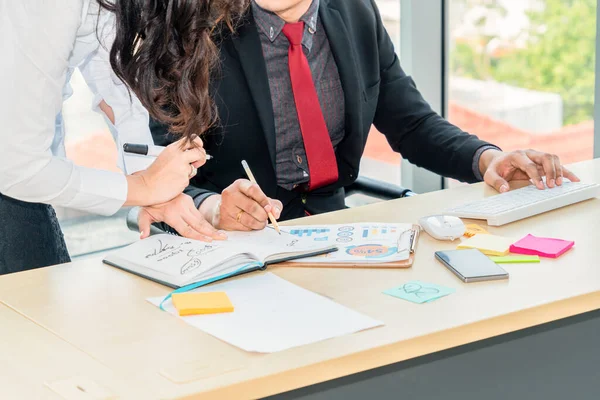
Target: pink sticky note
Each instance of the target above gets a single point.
(543, 247)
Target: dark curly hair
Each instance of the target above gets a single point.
(165, 51)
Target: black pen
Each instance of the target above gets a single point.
(147, 150)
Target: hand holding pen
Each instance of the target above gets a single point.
(253, 180)
(169, 174)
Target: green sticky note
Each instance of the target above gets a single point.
(515, 259)
(419, 292)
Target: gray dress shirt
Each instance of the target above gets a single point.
(291, 166)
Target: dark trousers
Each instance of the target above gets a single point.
(30, 236)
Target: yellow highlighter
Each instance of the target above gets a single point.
(202, 303)
(490, 245)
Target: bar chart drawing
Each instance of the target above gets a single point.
(309, 232)
(373, 232)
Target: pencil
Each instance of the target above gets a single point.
(253, 180)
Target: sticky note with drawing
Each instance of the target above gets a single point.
(419, 292)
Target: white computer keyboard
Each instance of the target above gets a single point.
(525, 202)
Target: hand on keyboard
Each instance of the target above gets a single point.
(498, 168)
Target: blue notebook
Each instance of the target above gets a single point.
(176, 262)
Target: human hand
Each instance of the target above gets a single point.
(242, 206)
(498, 168)
(182, 215)
(168, 175)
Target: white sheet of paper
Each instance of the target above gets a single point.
(271, 314)
(367, 242)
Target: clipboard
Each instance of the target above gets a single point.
(414, 238)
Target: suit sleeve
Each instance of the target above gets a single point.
(162, 137)
(410, 125)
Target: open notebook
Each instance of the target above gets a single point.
(175, 261)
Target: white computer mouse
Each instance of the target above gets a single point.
(443, 227)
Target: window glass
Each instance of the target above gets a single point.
(522, 73)
(89, 143)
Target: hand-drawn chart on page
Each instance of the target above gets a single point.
(318, 234)
(359, 242)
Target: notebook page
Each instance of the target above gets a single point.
(268, 242)
(228, 266)
(176, 257)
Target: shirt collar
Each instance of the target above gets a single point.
(271, 25)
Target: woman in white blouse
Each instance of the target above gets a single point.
(42, 43)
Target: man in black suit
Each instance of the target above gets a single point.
(304, 138)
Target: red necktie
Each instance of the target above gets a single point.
(317, 143)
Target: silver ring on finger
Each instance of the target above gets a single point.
(193, 171)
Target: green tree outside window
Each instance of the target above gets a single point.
(559, 56)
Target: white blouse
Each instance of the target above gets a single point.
(42, 42)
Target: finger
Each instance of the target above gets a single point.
(547, 161)
(194, 155)
(185, 230)
(185, 144)
(179, 145)
(192, 172)
(229, 220)
(549, 170)
(559, 173)
(276, 207)
(250, 206)
(144, 222)
(196, 221)
(200, 163)
(525, 164)
(570, 176)
(253, 191)
(196, 143)
(250, 222)
(494, 179)
(241, 220)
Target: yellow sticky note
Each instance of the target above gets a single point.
(474, 229)
(202, 303)
(490, 245)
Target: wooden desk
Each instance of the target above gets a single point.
(103, 311)
(32, 358)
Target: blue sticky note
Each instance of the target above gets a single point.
(419, 292)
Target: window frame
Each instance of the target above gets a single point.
(423, 55)
(597, 91)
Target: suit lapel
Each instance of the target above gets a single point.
(345, 58)
(248, 46)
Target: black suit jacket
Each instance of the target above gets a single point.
(376, 89)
